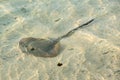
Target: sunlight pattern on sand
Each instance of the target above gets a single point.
(92, 53)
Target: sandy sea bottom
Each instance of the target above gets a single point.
(92, 53)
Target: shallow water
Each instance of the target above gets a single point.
(92, 53)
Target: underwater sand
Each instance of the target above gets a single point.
(92, 53)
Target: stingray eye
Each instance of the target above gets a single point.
(32, 49)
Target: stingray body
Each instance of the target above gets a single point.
(39, 47)
(45, 47)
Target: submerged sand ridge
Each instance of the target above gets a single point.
(92, 53)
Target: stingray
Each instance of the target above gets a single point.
(45, 47)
